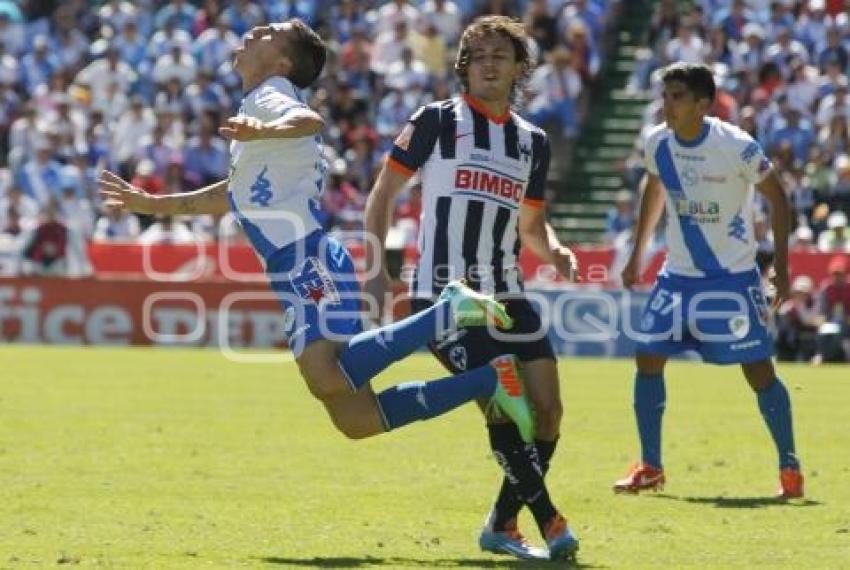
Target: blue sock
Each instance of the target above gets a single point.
(370, 352)
(775, 406)
(412, 401)
(650, 399)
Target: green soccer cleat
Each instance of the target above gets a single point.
(509, 396)
(473, 309)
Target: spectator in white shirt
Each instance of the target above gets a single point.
(407, 73)
(106, 71)
(687, 46)
(132, 128)
(175, 64)
(117, 225)
(446, 17)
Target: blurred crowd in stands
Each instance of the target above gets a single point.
(141, 87)
(781, 68)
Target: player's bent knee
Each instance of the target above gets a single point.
(351, 430)
(326, 382)
(548, 419)
(650, 363)
(759, 375)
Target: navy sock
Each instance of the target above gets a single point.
(524, 475)
(508, 503)
(649, 402)
(370, 352)
(412, 401)
(775, 406)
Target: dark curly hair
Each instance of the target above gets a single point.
(509, 28)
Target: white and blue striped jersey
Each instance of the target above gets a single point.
(275, 183)
(709, 197)
(476, 170)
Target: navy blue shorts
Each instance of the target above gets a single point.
(724, 318)
(317, 285)
(472, 347)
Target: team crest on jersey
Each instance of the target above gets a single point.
(402, 141)
(314, 283)
(261, 189)
(764, 165)
(457, 355)
(525, 152)
(739, 326)
(750, 151)
(690, 176)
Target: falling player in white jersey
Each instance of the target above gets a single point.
(275, 181)
(709, 296)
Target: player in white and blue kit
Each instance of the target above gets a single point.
(709, 295)
(276, 177)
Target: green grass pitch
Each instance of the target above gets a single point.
(157, 458)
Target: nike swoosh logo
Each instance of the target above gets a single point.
(644, 480)
(460, 136)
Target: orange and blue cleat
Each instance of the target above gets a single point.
(641, 477)
(563, 545)
(509, 541)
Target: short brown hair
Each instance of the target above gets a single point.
(507, 27)
(697, 78)
(307, 53)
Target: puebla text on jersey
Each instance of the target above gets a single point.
(476, 171)
(709, 197)
(275, 183)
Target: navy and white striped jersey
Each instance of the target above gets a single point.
(476, 171)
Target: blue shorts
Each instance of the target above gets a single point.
(317, 285)
(724, 318)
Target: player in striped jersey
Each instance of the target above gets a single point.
(483, 170)
(273, 188)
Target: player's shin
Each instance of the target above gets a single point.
(370, 352)
(649, 402)
(412, 401)
(523, 473)
(775, 406)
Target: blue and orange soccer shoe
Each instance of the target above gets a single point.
(563, 545)
(641, 477)
(509, 541)
(790, 484)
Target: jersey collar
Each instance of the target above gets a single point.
(279, 81)
(698, 140)
(479, 107)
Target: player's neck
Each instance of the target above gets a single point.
(692, 132)
(497, 110)
(251, 82)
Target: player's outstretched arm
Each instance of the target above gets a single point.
(540, 237)
(651, 208)
(780, 218)
(379, 206)
(296, 124)
(119, 193)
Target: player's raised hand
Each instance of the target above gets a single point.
(243, 129)
(631, 272)
(118, 193)
(566, 263)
